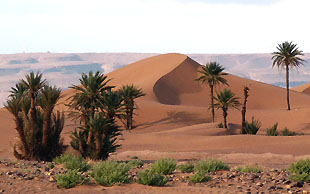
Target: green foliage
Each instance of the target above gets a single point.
(95, 106)
(73, 162)
(211, 165)
(151, 178)
(300, 170)
(272, 131)
(187, 167)
(32, 103)
(69, 179)
(220, 125)
(135, 163)
(253, 127)
(110, 173)
(249, 169)
(200, 177)
(51, 165)
(164, 166)
(287, 132)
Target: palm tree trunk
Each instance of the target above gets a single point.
(33, 120)
(20, 130)
(288, 87)
(46, 127)
(225, 117)
(128, 118)
(212, 103)
(243, 112)
(98, 144)
(90, 133)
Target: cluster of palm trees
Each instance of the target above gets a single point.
(96, 106)
(32, 103)
(287, 57)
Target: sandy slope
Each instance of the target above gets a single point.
(305, 88)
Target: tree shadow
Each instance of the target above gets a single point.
(174, 117)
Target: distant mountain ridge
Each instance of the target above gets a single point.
(64, 69)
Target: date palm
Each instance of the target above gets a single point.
(212, 74)
(129, 93)
(225, 100)
(88, 97)
(287, 57)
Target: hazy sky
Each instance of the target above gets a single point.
(158, 26)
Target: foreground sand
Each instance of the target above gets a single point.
(173, 121)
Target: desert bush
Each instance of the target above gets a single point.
(300, 170)
(135, 163)
(220, 125)
(110, 173)
(51, 165)
(199, 177)
(32, 103)
(69, 179)
(287, 132)
(164, 166)
(272, 131)
(151, 178)
(249, 169)
(187, 167)
(72, 162)
(211, 165)
(253, 127)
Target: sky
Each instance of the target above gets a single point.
(153, 26)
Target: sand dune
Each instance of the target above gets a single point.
(305, 88)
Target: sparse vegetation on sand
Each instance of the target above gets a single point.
(211, 165)
(200, 177)
(249, 169)
(135, 163)
(187, 167)
(272, 131)
(300, 170)
(253, 126)
(151, 178)
(73, 162)
(109, 173)
(164, 166)
(70, 179)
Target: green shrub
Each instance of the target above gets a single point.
(287, 132)
(70, 179)
(300, 170)
(187, 167)
(135, 163)
(72, 162)
(220, 125)
(151, 178)
(51, 165)
(211, 165)
(253, 127)
(272, 131)
(199, 177)
(110, 173)
(249, 169)
(164, 166)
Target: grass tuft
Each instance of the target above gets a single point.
(187, 167)
(151, 178)
(211, 165)
(164, 166)
(300, 170)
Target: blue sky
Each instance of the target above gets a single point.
(156, 26)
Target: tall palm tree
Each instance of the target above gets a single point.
(226, 99)
(112, 105)
(34, 83)
(89, 96)
(129, 93)
(212, 74)
(47, 101)
(287, 57)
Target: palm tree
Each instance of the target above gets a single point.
(47, 101)
(287, 57)
(226, 99)
(112, 105)
(243, 112)
(89, 96)
(129, 93)
(34, 83)
(212, 74)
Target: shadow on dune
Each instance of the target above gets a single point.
(174, 117)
